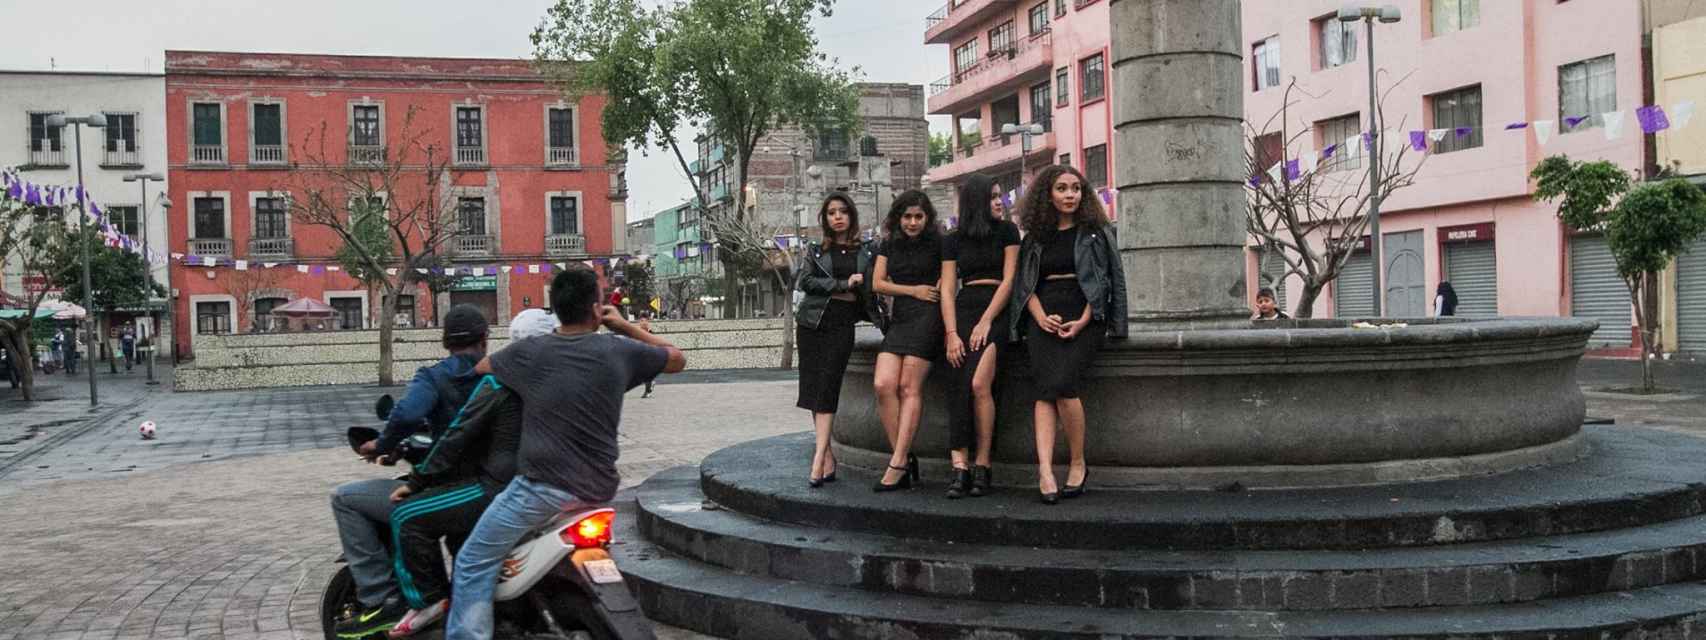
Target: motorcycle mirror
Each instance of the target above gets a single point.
(382, 408)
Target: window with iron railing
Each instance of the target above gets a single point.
(121, 144)
(212, 318)
(1038, 17)
(209, 218)
(565, 215)
(470, 136)
(267, 122)
(965, 57)
(471, 216)
(560, 125)
(207, 133)
(270, 218)
(364, 126)
(1001, 38)
(47, 144)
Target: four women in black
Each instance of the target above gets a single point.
(978, 262)
(832, 278)
(1062, 289)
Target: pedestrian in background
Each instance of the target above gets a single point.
(1265, 307)
(836, 295)
(127, 346)
(978, 263)
(1071, 287)
(909, 267)
(646, 323)
(1445, 300)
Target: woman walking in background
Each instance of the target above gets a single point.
(978, 262)
(832, 277)
(1071, 288)
(909, 267)
(1445, 300)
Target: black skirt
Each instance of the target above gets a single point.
(1058, 366)
(969, 306)
(916, 329)
(823, 356)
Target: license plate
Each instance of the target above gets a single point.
(602, 571)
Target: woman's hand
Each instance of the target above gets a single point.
(956, 350)
(979, 336)
(1070, 330)
(1050, 323)
(855, 280)
(927, 293)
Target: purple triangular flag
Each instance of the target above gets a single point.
(1572, 121)
(1293, 170)
(16, 191)
(1108, 194)
(95, 210)
(1368, 141)
(1516, 125)
(317, 269)
(1653, 119)
(1328, 152)
(1463, 131)
(1419, 140)
(32, 196)
(1255, 181)
(954, 221)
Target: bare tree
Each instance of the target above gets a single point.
(409, 181)
(30, 236)
(1314, 220)
(248, 285)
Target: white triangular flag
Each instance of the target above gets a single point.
(1437, 135)
(506, 268)
(208, 261)
(1543, 130)
(242, 265)
(391, 271)
(533, 268)
(1613, 124)
(1309, 161)
(302, 268)
(420, 271)
(1275, 172)
(269, 265)
(562, 265)
(177, 256)
(334, 268)
(1681, 113)
(1352, 146)
(450, 271)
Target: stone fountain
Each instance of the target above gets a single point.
(1300, 478)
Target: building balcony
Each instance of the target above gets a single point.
(472, 245)
(211, 247)
(565, 244)
(122, 158)
(471, 156)
(696, 167)
(366, 154)
(562, 157)
(207, 154)
(719, 192)
(271, 248)
(958, 15)
(1001, 72)
(266, 154)
(999, 155)
(47, 158)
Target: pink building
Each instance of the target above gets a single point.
(1468, 219)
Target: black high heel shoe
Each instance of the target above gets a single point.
(912, 467)
(980, 478)
(904, 483)
(1074, 491)
(962, 484)
(1051, 498)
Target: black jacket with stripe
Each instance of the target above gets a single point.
(479, 445)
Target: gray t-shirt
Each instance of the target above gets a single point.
(571, 389)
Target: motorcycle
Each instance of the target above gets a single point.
(558, 582)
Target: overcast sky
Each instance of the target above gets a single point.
(883, 37)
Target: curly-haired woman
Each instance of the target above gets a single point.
(1071, 287)
(909, 267)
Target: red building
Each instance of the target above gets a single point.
(529, 178)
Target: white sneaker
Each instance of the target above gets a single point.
(418, 619)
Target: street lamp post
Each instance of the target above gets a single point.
(148, 267)
(1368, 14)
(97, 121)
(1025, 132)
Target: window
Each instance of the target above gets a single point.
(267, 119)
(1338, 41)
(1039, 18)
(1270, 149)
(209, 130)
(124, 219)
(1265, 56)
(832, 145)
(209, 218)
(1066, 159)
(1059, 8)
(1062, 87)
(565, 216)
(471, 215)
(1041, 110)
(562, 128)
(1091, 76)
(212, 318)
(468, 132)
(405, 313)
(1455, 15)
(349, 312)
(1001, 38)
(269, 218)
(1337, 131)
(1586, 89)
(965, 57)
(45, 139)
(1455, 110)
(364, 126)
(121, 138)
(263, 320)
(1096, 167)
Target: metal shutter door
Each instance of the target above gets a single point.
(1691, 300)
(1353, 293)
(1273, 266)
(1473, 272)
(1596, 292)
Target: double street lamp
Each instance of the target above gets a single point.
(98, 121)
(148, 266)
(1025, 133)
(1368, 14)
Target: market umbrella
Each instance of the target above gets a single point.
(304, 308)
(63, 310)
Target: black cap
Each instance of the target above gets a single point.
(464, 324)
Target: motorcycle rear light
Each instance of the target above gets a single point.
(591, 531)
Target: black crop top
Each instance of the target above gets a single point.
(914, 261)
(1058, 258)
(844, 260)
(980, 258)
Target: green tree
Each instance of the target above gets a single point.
(117, 278)
(1646, 227)
(29, 239)
(737, 68)
(941, 149)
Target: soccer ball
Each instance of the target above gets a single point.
(147, 430)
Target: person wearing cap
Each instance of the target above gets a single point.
(363, 508)
(446, 493)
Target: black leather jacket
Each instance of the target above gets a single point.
(817, 281)
(1096, 254)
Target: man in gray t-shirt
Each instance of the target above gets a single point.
(571, 385)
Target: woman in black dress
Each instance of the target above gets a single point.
(1071, 287)
(832, 277)
(979, 257)
(909, 267)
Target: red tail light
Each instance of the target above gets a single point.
(591, 531)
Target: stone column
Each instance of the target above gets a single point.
(1178, 121)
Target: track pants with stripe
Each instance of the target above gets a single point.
(416, 525)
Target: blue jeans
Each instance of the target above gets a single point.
(522, 506)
